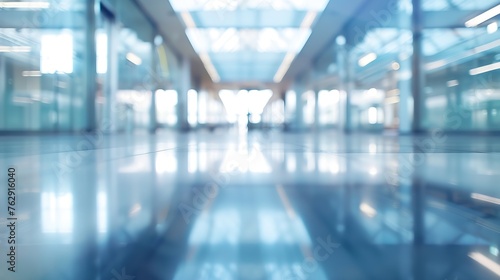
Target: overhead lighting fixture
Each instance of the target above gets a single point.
(395, 66)
(452, 83)
(212, 72)
(491, 13)
(492, 27)
(285, 65)
(308, 20)
(134, 58)
(368, 210)
(31, 73)
(367, 59)
(487, 47)
(24, 5)
(486, 262)
(392, 100)
(188, 20)
(14, 49)
(486, 198)
(485, 69)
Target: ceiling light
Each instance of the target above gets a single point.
(24, 5)
(493, 12)
(134, 58)
(485, 69)
(367, 59)
(368, 210)
(188, 20)
(31, 73)
(486, 262)
(212, 72)
(285, 65)
(452, 83)
(395, 66)
(485, 198)
(487, 47)
(492, 27)
(308, 20)
(340, 40)
(12, 49)
(392, 100)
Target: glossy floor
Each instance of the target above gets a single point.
(230, 205)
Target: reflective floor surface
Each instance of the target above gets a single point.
(262, 205)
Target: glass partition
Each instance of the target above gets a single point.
(43, 67)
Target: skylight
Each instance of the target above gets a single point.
(276, 30)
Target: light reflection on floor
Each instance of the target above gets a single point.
(255, 206)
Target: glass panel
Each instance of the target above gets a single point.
(42, 53)
(462, 84)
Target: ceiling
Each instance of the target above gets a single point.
(249, 43)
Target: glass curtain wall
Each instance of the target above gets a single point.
(370, 64)
(44, 66)
(462, 84)
(379, 54)
(53, 78)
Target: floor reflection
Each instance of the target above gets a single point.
(257, 206)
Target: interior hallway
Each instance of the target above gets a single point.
(255, 206)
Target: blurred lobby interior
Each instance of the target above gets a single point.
(250, 139)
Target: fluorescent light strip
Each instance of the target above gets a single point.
(134, 58)
(285, 65)
(24, 5)
(188, 20)
(212, 72)
(13, 49)
(367, 59)
(32, 73)
(368, 210)
(392, 100)
(486, 262)
(452, 83)
(487, 47)
(307, 23)
(308, 20)
(491, 13)
(485, 69)
(486, 198)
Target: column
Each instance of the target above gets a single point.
(298, 120)
(184, 87)
(345, 71)
(418, 75)
(90, 66)
(316, 110)
(153, 122)
(405, 81)
(111, 83)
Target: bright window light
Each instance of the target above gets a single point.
(102, 53)
(373, 115)
(244, 102)
(56, 53)
(192, 107)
